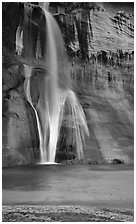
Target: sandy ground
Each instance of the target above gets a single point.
(92, 187)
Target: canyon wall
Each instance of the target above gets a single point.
(99, 40)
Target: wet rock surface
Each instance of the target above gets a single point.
(29, 213)
(19, 125)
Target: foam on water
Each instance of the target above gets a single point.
(48, 163)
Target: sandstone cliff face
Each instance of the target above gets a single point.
(20, 135)
(99, 39)
(89, 29)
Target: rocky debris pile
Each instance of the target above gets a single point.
(25, 213)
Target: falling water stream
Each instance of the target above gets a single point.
(28, 72)
(53, 98)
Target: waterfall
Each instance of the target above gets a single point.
(28, 72)
(54, 94)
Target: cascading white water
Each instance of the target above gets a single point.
(28, 72)
(52, 88)
(53, 95)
